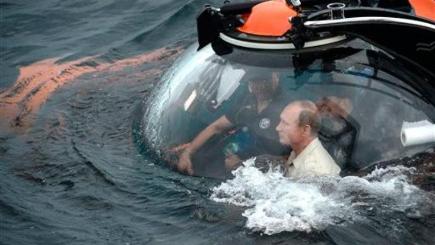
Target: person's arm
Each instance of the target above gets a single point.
(217, 127)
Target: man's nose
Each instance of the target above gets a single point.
(278, 127)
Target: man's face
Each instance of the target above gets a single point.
(261, 89)
(289, 131)
(264, 89)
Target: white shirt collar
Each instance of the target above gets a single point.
(300, 159)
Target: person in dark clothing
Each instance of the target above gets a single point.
(255, 120)
(339, 130)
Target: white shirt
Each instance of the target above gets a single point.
(314, 160)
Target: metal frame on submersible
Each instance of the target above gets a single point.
(408, 38)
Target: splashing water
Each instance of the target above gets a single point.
(275, 203)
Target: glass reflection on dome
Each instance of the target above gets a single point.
(363, 104)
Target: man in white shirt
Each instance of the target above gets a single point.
(298, 128)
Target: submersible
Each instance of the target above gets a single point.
(368, 65)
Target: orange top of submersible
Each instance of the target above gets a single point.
(424, 8)
(270, 18)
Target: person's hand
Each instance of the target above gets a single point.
(184, 163)
(232, 161)
(179, 148)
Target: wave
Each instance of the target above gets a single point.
(7, 5)
(170, 25)
(276, 204)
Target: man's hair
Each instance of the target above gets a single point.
(309, 115)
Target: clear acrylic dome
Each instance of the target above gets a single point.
(363, 95)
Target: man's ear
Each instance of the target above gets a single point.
(307, 130)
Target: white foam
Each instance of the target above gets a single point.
(275, 203)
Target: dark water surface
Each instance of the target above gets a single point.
(71, 168)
